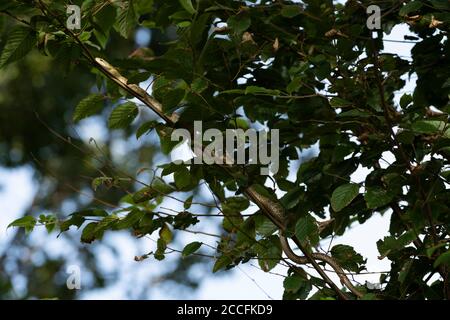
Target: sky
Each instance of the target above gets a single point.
(17, 189)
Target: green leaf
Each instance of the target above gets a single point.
(188, 202)
(166, 234)
(123, 116)
(48, 221)
(139, 77)
(392, 244)
(369, 296)
(292, 198)
(184, 220)
(97, 182)
(145, 194)
(182, 178)
(73, 221)
(410, 7)
(296, 286)
(339, 102)
(264, 226)
(347, 257)
(91, 213)
(442, 259)
(105, 20)
(221, 263)
(235, 205)
(146, 128)
(165, 135)
(290, 11)
(172, 99)
(239, 23)
(161, 187)
(343, 195)
(130, 220)
(431, 127)
(187, 5)
(293, 283)
(191, 248)
(161, 248)
(406, 100)
(431, 250)
(377, 197)
(269, 253)
(20, 41)
(307, 229)
(127, 19)
(261, 91)
(199, 85)
(27, 222)
(89, 233)
(405, 271)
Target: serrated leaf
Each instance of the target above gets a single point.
(264, 226)
(343, 195)
(127, 19)
(89, 106)
(191, 248)
(20, 41)
(392, 244)
(348, 258)
(123, 116)
(269, 253)
(27, 222)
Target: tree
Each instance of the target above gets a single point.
(312, 70)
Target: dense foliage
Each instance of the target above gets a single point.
(314, 71)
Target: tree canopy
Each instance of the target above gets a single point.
(312, 70)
